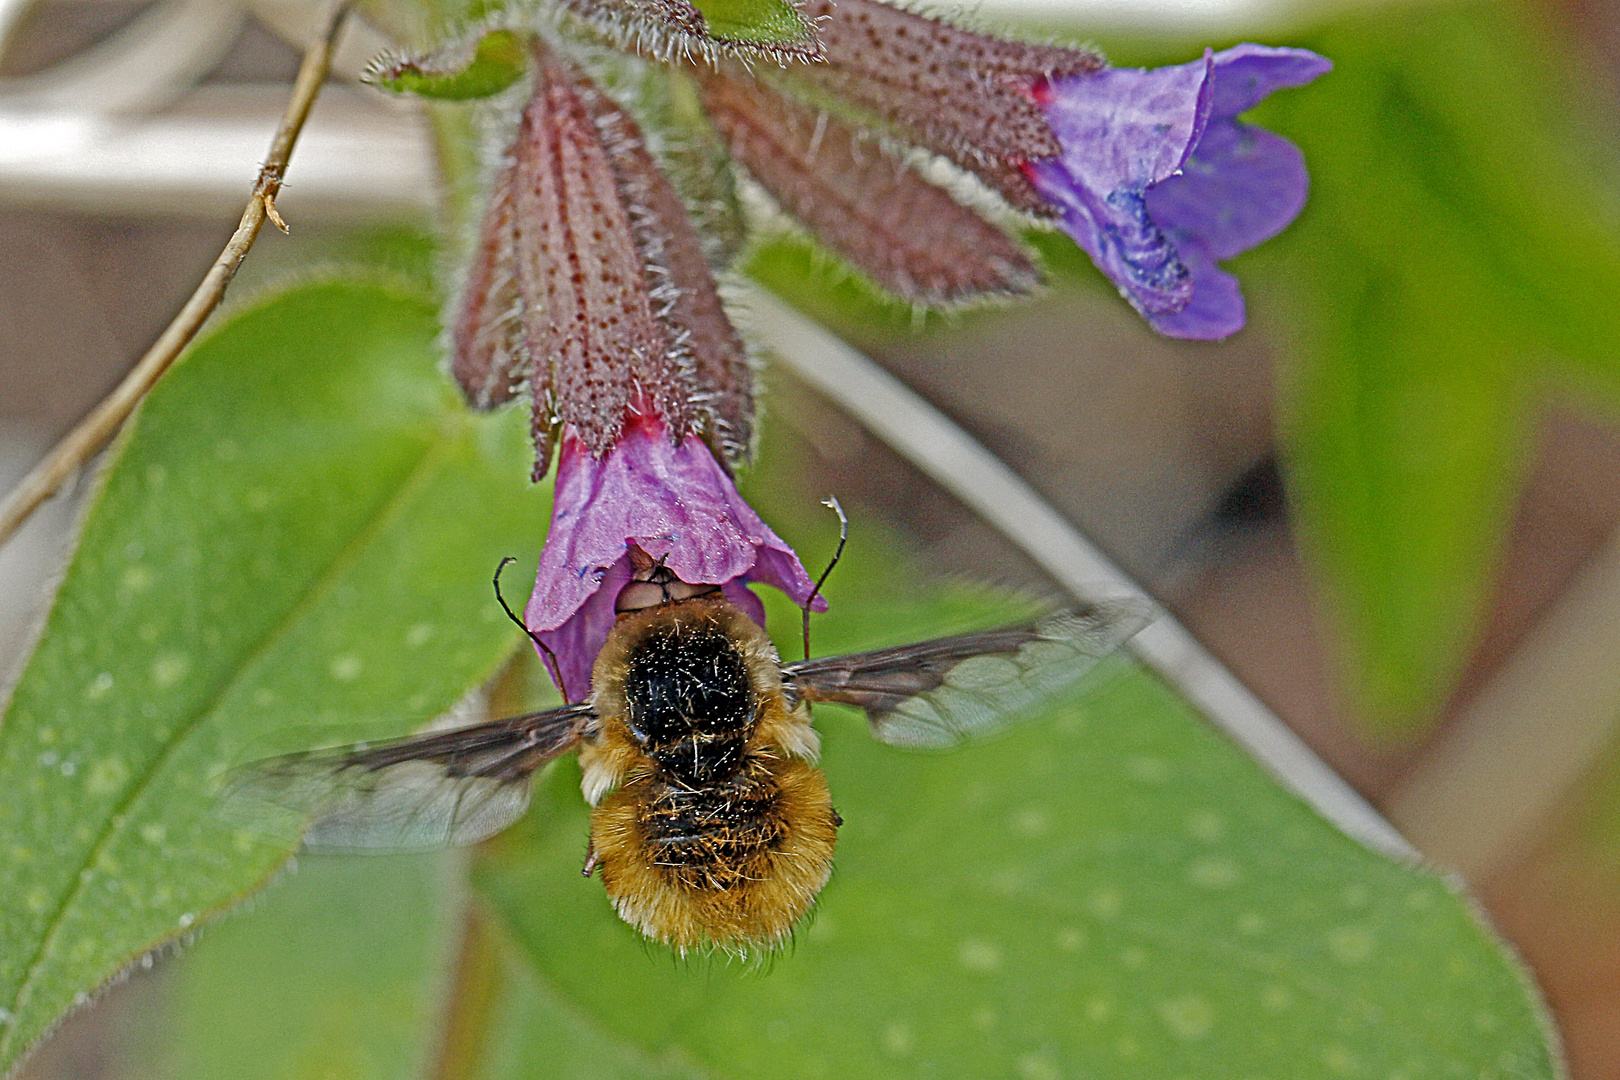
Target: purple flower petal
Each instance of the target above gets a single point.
(673, 501)
(1129, 127)
(1216, 309)
(1157, 181)
(1245, 75)
(1123, 130)
(1242, 186)
(742, 596)
(575, 643)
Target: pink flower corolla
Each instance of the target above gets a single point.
(1158, 180)
(673, 501)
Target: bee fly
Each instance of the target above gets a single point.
(710, 823)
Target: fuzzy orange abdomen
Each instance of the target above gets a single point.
(733, 864)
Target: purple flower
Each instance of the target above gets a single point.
(672, 500)
(1158, 180)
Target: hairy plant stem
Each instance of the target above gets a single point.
(97, 429)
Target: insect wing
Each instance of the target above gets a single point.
(427, 791)
(940, 693)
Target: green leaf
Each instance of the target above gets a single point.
(291, 547)
(535, 1031)
(1111, 890)
(460, 73)
(341, 970)
(1452, 253)
(756, 22)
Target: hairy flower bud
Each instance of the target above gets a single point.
(908, 234)
(962, 94)
(590, 286)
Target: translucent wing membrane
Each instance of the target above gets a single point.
(445, 788)
(941, 693)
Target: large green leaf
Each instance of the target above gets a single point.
(340, 971)
(1112, 890)
(1453, 246)
(296, 536)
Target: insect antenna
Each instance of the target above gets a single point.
(843, 535)
(551, 657)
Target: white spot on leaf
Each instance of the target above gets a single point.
(346, 668)
(106, 776)
(1188, 1018)
(1214, 873)
(1338, 1059)
(1148, 770)
(979, 955)
(1351, 944)
(1205, 825)
(169, 669)
(1106, 903)
(1038, 1067)
(1033, 821)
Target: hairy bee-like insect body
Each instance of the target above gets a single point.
(711, 824)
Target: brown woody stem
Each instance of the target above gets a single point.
(98, 428)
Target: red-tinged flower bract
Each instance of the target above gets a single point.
(908, 234)
(670, 498)
(962, 94)
(1157, 179)
(590, 287)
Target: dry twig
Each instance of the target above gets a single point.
(97, 429)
